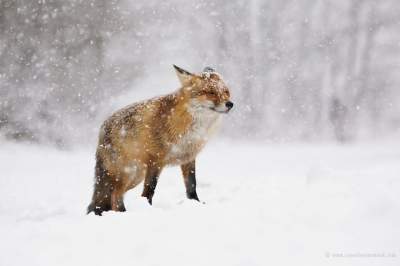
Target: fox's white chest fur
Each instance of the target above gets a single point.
(189, 144)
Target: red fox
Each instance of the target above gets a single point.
(138, 141)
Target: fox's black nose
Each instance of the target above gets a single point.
(229, 104)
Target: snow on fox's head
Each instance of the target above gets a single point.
(206, 89)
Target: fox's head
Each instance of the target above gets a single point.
(206, 89)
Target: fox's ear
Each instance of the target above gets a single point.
(208, 70)
(183, 75)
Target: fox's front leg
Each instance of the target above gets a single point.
(150, 182)
(189, 176)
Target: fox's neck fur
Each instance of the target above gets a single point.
(190, 125)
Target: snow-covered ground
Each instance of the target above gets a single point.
(292, 204)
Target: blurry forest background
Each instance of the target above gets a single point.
(298, 70)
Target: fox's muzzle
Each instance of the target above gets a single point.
(223, 108)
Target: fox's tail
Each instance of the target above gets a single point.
(101, 200)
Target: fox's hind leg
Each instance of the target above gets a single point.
(101, 199)
(117, 200)
(189, 176)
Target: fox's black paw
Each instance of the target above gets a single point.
(192, 195)
(149, 197)
(97, 210)
(121, 207)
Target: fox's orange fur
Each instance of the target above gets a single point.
(138, 141)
